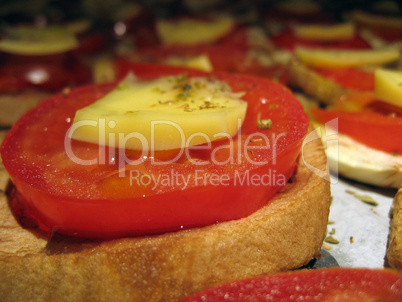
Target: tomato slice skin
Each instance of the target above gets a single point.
(48, 73)
(336, 284)
(350, 78)
(388, 34)
(83, 200)
(230, 53)
(90, 43)
(371, 128)
(216, 54)
(237, 62)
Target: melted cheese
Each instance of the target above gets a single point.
(200, 62)
(345, 58)
(37, 41)
(188, 31)
(167, 113)
(388, 86)
(325, 32)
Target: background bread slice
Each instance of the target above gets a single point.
(13, 105)
(285, 234)
(394, 251)
(313, 84)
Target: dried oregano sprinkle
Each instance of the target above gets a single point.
(365, 198)
(263, 124)
(331, 240)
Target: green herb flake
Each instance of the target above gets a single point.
(265, 124)
(331, 240)
(186, 91)
(365, 198)
(208, 105)
(181, 78)
(187, 87)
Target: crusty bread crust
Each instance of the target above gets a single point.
(285, 234)
(394, 251)
(313, 84)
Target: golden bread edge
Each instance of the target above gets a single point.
(313, 84)
(285, 234)
(394, 250)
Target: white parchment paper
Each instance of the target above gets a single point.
(368, 225)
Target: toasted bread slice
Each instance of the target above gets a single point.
(394, 251)
(313, 84)
(285, 234)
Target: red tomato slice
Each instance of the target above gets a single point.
(93, 201)
(329, 285)
(11, 83)
(390, 35)
(286, 39)
(218, 55)
(140, 27)
(50, 73)
(368, 127)
(149, 70)
(90, 43)
(350, 78)
(229, 54)
(237, 38)
(236, 62)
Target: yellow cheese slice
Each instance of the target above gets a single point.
(26, 40)
(166, 113)
(388, 86)
(188, 31)
(325, 32)
(200, 62)
(79, 26)
(345, 58)
(103, 70)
